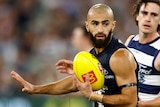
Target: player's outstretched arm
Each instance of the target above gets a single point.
(27, 87)
(65, 66)
(63, 86)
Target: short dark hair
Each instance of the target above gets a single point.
(138, 5)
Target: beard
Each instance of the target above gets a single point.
(100, 43)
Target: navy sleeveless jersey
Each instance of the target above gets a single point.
(110, 85)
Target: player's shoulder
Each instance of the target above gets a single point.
(122, 60)
(122, 55)
(129, 39)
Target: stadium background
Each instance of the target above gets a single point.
(34, 35)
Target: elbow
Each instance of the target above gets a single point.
(132, 99)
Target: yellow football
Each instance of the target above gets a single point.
(86, 63)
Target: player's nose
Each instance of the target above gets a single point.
(100, 28)
(148, 18)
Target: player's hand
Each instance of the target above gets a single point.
(65, 66)
(84, 88)
(27, 87)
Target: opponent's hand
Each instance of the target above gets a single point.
(141, 104)
(84, 88)
(27, 87)
(65, 66)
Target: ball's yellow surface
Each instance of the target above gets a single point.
(85, 63)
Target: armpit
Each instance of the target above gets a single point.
(157, 62)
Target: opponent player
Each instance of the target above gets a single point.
(80, 38)
(81, 41)
(146, 49)
(120, 88)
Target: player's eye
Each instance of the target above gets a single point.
(154, 14)
(144, 12)
(106, 23)
(94, 23)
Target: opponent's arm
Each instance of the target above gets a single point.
(65, 66)
(157, 62)
(63, 86)
(152, 103)
(128, 40)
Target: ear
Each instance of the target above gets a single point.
(137, 17)
(86, 23)
(114, 24)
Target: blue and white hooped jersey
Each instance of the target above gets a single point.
(148, 76)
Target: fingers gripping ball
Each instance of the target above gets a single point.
(85, 63)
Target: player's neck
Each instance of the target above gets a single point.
(99, 50)
(147, 37)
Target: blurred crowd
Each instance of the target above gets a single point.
(35, 34)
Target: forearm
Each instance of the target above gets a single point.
(152, 103)
(118, 100)
(63, 86)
